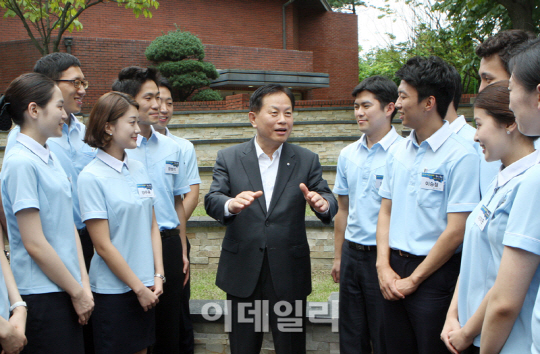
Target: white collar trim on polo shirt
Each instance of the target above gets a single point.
(42, 152)
(259, 151)
(112, 161)
(140, 137)
(457, 124)
(436, 139)
(385, 142)
(517, 168)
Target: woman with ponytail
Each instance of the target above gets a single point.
(46, 254)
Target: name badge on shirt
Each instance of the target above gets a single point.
(378, 181)
(482, 217)
(145, 190)
(171, 167)
(432, 181)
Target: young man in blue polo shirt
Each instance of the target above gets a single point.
(429, 188)
(163, 160)
(488, 170)
(360, 172)
(191, 199)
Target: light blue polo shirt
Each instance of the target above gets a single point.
(4, 296)
(445, 162)
(190, 158)
(522, 232)
(163, 160)
(482, 249)
(360, 172)
(32, 177)
(118, 191)
(488, 170)
(72, 153)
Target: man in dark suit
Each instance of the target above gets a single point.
(259, 191)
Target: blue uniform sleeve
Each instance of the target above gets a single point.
(464, 184)
(91, 197)
(341, 187)
(181, 184)
(190, 160)
(523, 227)
(388, 181)
(12, 138)
(21, 185)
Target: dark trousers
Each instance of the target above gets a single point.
(360, 303)
(52, 325)
(88, 253)
(246, 338)
(187, 340)
(169, 317)
(413, 325)
(471, 350)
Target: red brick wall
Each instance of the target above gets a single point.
(333, 39)
(102, 59)
(239, 34)
(228, 57)
(245, 23)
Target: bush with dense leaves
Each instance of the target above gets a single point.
(207, 95)
(179, 57)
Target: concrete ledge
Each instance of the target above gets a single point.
(248, 125)
(325, 168)
(290, 140)
(207, 221)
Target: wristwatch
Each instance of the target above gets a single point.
(160, 276)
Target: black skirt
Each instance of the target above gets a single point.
(52, 325)
(121, 325)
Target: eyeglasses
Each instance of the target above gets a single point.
(77, 83)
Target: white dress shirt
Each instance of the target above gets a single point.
(268, 169)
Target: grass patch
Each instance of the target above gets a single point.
(203, 285)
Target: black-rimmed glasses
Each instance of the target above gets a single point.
(77, 83)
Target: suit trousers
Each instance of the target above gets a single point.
(413, 325)
(249, 320)
(360, 302)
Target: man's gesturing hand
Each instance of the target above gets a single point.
(314, 200)
(243, 200)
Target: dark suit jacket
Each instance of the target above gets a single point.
(280, 229)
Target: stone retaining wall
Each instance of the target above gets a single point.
(206, 235)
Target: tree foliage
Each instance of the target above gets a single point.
(46, 21)
(179, 56)
(479, 19)
(348, 5)
(207, 95)
(450, 29)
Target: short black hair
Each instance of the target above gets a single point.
(163, 82)
(384, 90)
(131, 79)
(504, 45)
(525, 65)
(54, 64)
(255, 102)
(457, 87)
(430, 77)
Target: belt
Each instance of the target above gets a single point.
(359, 247)
(169, 233)
(406, 254)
